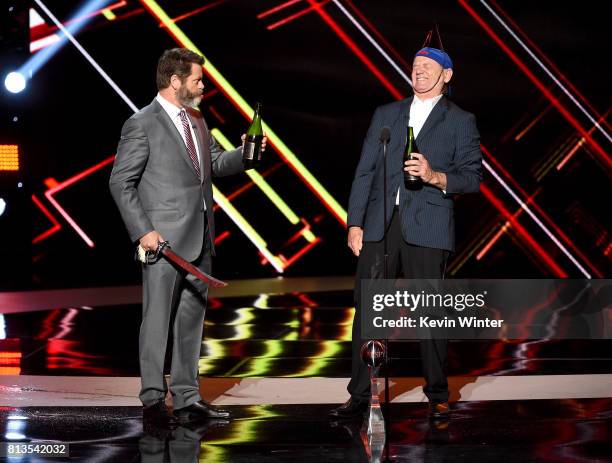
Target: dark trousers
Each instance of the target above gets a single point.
(414, 262)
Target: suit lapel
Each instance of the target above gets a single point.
(172, 132)
(400, 124)
(435, 117)
(397, 145)
(405, 112)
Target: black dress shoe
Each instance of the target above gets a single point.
(351, 408)
(158, 414)
(439, 410)
(200, 411)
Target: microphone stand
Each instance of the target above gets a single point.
(385, 142)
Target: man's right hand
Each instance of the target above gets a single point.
(150, 241)
(355, 239)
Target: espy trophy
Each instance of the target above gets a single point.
(373, 355)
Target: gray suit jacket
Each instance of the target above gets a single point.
(155, 185)
(450, 141)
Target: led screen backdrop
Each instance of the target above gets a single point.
(534, 77)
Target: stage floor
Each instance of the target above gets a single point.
(479, 431)
(277, 353)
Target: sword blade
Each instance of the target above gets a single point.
(188, 267)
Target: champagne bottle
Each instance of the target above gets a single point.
(251, 153)
(411, 181)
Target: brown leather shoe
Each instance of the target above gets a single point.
(439, 410)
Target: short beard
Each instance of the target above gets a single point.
(187, 98)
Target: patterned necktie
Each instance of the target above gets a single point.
(191, 149)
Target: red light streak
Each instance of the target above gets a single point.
(546, 258)
(299, 233)
(56, 225)
(280, 7)
(379, 36)
(222, 237)
(60, 186)
(493, 240)
(522, 133)
(215, 113)
(549, 62)
(540, 211)
(580, 143)
(196, 11)
(300, 253)
(293, 17)
(355, 49)
(564, 112)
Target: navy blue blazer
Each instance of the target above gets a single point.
(450, 141)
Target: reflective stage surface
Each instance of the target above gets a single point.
(286, 335)
(538, 430)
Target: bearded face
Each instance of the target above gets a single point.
(189, 93)
(188, 97)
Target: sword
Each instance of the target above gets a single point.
(163, 249)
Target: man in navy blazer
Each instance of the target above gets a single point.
(420, 227)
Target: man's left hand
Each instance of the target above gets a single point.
(419, 167)
(264, 141)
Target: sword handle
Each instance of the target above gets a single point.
(150, 257)
(160, 248)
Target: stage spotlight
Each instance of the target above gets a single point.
(73, 26)
(15, 82)
(14, 43)
(2, 206)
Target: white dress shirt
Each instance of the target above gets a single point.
(174, 113)
(419, 112)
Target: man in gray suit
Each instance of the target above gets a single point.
(161, 182)
(421, 229)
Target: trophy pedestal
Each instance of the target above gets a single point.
(376, 421)
(375, 425)
(374, 429)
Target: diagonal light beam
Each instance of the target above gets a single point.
(596, 123)
(225, 204)
(265, 187)
(300, 169)
(607, 161)
(87, 56)
(372, 41)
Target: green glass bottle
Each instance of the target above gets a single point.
(251, 153)
(410, 181)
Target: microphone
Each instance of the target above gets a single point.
(385, 135)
